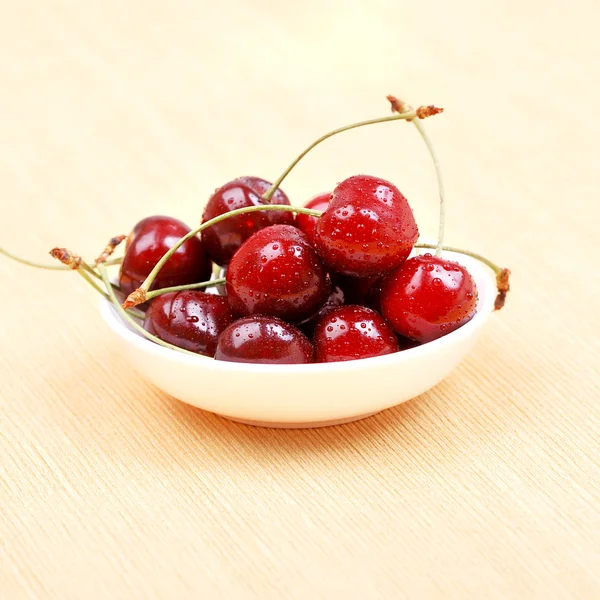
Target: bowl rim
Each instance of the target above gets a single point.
(486, 286)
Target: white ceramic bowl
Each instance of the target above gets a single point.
(312, 395)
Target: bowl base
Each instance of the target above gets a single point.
(307, 425)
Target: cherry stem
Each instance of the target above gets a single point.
(89, 269)
(438, 172)
(502, 274)
(87, 278)
(109, 248)
(124, 314)
(411, 114)
(85, 271)
(30, 263)
(181, 288)
(483, 259)
(139, 296)
(93, 283)
(399, 106)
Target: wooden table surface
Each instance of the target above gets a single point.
(486, 487)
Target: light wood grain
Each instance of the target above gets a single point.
(488, 487)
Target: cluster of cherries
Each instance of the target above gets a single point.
(298, 290)
(331, 281)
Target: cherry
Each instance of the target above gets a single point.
(428, 297)
(307, 223)
(223, 239)
(368, 228)
(148, 242)
(261, 339)
(277, 272)
(189, 319)
(352, 332)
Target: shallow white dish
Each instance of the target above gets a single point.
(312, 395)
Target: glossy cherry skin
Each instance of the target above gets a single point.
(266, 340)
(352, 332)
(367, 230)
(278, 273)
(223, 239)
(428, 297)
(189, 319)
(146, 245)
(307, 223)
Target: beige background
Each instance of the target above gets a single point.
(487, 487)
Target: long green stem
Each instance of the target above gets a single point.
(140, 295)
(440, 181)
(87, 278)
(400, 107)
(110, 262)
(181, 288)
(138, 314)
(30, 263)
(412, 114)
(91, 271)
(84, 271)
(478, 257)
(123, 313)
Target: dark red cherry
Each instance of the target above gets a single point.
(368, 228)
(146, 245)
(267, 340)
(428, 297)
(189, 319)
(307, 223)
(277, 272)
(353, 332)
(223, 239)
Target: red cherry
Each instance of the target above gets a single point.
(307, 223)
(428, 297)
(149, 240)
(189, 319)
(353, 332)
(267, 340)
(277, 272)
(368, 229)
(223, 239)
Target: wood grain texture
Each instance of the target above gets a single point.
(488, 487)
